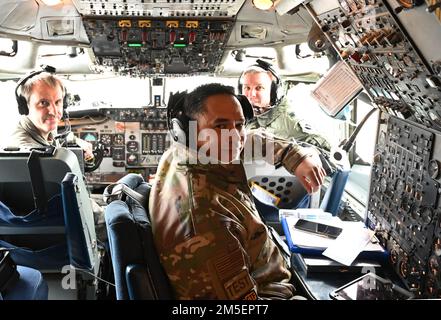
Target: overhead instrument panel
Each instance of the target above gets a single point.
(141, 38)
(159, 8)
(368, 35)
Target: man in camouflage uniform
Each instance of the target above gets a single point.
(209, 236)
(272, 110)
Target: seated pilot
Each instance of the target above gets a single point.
(208, 233)
(42, 101)
(263, 87)
(41, 98)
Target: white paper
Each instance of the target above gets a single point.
(349, 244)
(307, 240)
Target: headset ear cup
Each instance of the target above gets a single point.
(276, 93)
(239, 84)
(273, 95)
(65, 99)
(177, 131)
(247, 108)
(65, 114)
(22, 105)
(65, 104)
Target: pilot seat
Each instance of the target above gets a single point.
(275, 189)
(46, 218)
(138, 272)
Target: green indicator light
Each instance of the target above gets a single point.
(179, 45)
(135, 45)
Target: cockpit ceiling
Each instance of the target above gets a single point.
(159, 8)
(141, 38)
(169, 37)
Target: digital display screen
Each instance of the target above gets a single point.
(89, 136)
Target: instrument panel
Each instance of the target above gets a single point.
(133, 141)
(403, 206)
(372, 41)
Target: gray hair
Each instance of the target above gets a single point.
(256, 69)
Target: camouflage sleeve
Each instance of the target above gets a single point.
(261, 145)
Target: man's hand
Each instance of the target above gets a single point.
(311, 173)
(87, 149)
(88, 154)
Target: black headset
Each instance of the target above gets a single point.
(276, 85)
(178, 121)
(21, 100)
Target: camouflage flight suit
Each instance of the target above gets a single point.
(285, 125)
(209, 236)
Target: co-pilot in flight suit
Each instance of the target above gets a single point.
(284, 124)
(210, 238)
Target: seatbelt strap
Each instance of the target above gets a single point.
(37, 181)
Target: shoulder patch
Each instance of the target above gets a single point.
(239, 286)
(251, 296)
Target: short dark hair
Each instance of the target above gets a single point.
(194, 101)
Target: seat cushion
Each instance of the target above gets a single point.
(30, 286)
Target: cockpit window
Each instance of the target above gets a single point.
(365, 142)
(117, 92)
(300, 59)
(182, 83)
(312, 117)
(239, 59)
(48, 51)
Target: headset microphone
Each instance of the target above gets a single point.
(67, 126)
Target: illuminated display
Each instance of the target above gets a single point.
(89, 136)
